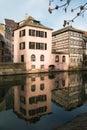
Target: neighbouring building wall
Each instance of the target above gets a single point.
(60, 61)
(6, 33)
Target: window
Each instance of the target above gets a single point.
(31, 45)
(45, 34)
(33, 67)
(31, 100)
(33, 87)
(56, 84)
(33, 58)
(41, 86)
(22, 87)
(37, 111)
(22, 33)
(31, 32)
(45, 46)
(42, 66)
(42, 77)
(22, 58)
(42, 46)
(37, 45)
(41, 34)
(63, 59)
(22, 110)
(22, 45)
(71, 33)
(37, 33)
(57, 58)
(33, 79)
(63, 83)
(22, 99)
(42, 58)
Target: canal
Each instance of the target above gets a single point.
(41, 101)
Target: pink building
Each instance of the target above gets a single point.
(33, 100)
(32, 44)
(59, 61)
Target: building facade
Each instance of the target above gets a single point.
(6, 30)
(11, 25)
(70, 40)
(2, 44)
(32, 44)
(33, 99)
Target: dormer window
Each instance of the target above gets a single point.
(36, 22)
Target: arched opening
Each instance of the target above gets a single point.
(51, 67)
(33, 58)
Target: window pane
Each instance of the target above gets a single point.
(57, 59)
(31, 32)
(22, 58)
(22, 33)
(22, 45)
(63, 59)
(42, 58)
(31, 45)
(33, 58)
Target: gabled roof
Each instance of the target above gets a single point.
(69, 28)
(30, 21)
(11, 23)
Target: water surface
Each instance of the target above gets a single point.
(41, 101)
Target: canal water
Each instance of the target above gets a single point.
(41, 101)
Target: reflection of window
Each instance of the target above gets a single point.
(33, 87)
(33, 58)
(41, 86)
(22, 99)
(36, 99)
(37, 110)
(63, 82)
(42, 58)
(42, 77)
(63, 59)
(22, 87)
(57, 58)
(31, 100)
(32, 78)
(22, 110)
(56, 84)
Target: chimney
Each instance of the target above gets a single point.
(26, 15)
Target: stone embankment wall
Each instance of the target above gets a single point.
(12, 68)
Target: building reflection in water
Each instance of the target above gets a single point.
(33, 99)
(69, 92)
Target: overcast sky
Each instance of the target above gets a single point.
(16, 10)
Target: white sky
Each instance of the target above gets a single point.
(16, 10)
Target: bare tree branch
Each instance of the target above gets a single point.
(81, 10)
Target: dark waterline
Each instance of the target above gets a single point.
(41, 101)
